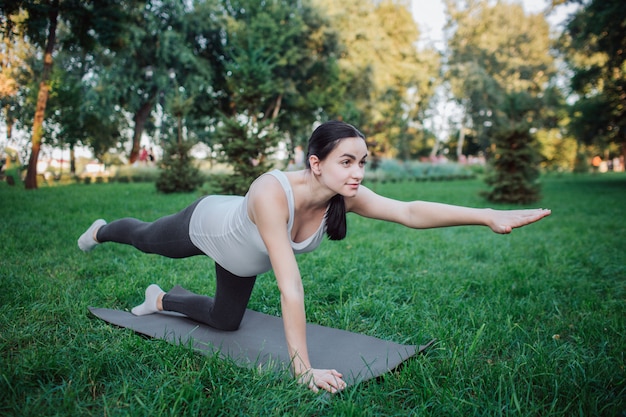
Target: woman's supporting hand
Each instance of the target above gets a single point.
(326, 379)
(504, 221)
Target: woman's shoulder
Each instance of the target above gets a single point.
(285, 180)
(267, 179)
(266, 186)
(266, 197)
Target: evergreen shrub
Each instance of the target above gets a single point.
(178, 172)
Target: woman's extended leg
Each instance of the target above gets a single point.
(167, 236)
(223, 312)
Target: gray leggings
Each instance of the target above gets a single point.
(169, 236)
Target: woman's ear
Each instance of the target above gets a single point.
(314, 163)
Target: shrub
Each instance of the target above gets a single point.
(515, 173)
(178, 173)
(136, 173)
(391, 170)
(246, 146)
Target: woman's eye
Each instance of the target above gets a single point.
(345, 163)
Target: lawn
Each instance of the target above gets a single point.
(528, 324)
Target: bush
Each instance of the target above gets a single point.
(178, 173)
(134, 173)
(246, 147)
(13, 177)
(391, 170)
(514, 175)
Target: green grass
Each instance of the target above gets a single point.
(529, 324)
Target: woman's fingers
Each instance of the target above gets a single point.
(505, 221)
(332, 383)
(327, 379)
(533, 216)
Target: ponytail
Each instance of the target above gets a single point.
(336, 218)
(323, 140)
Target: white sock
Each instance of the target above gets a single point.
(149, 306)
(86, 241)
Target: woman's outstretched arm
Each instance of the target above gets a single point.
(426, 215)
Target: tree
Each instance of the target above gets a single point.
(515, 162)
(16, 58)
(594, 46)
(386, 83)
(91, 22)
(14, 70)
(51, 11)
(178, 173)
(407, 79)
(80, 114)
(499, 67)
(158, 58)
(277, 59)
(201, 78)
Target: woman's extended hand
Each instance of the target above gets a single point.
(326, 379)
(503, 221)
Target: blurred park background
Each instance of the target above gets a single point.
(120, 108)
(173, 91)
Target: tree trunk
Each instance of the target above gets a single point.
(435, 150)
(42, 98)
(274, 109)
(459, 146)
(180, 129)
(72, 160)
(279, 102)
(9, 122)
(140, 121)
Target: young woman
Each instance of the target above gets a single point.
(283, 214)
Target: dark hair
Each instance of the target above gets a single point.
(321, 143)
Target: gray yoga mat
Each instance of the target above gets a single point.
(260, 341)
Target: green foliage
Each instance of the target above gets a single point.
(594, 44)
(581, 164)
(276, 60)
(386, 83)
(515, 163)
(178, 173)
(78, 113)
(163, 62)
(180, 66)
(528, 324)
(502, 92)
(591, 122)
(245, 145)
(12, 176)
(278, 67)
(86, 25)
(515, 173)
(558, 153)
(135, 173)
(391, 170)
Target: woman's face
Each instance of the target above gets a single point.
(343, 169)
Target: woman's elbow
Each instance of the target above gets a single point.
(292, 294)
